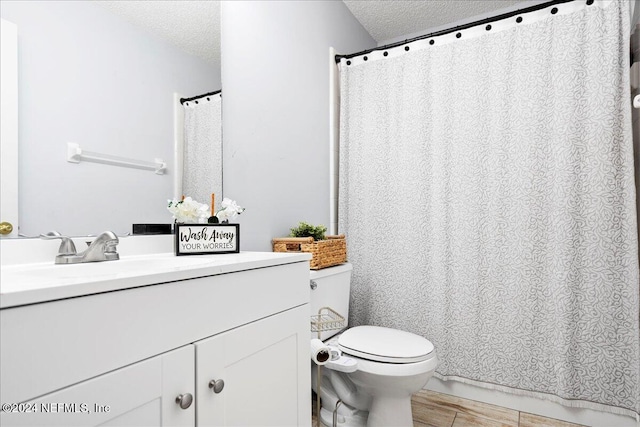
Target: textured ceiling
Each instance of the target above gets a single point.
(386, 20)
(194, 25)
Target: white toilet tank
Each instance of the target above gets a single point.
(331, 287)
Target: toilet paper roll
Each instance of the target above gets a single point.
(320, 353)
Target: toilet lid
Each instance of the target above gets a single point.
(385, 345)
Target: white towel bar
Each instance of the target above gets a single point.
(75, 155)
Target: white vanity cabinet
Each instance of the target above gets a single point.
(144, 350)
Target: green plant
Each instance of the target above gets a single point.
(307, 230)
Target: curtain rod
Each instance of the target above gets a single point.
(193, 98)
(460, 27)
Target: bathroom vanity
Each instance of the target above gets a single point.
(157, 340)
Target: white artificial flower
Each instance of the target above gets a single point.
(188, 210)
(222, 215)
(230, 209)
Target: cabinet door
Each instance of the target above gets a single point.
(265, 366)
(142, 394)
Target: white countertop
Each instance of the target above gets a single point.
(22, 284)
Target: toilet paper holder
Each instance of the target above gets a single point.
(327, 319)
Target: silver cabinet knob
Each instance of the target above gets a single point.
(216, 385)
(184, 400)
(313, 285)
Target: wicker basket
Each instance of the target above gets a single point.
(326, 253)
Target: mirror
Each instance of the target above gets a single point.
(88, 75)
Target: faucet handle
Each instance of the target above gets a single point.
(50, 235)
(67, 247)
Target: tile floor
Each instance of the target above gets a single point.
(431, 409)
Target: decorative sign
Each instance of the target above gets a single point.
(204, 239)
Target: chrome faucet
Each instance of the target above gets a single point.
(103, 248)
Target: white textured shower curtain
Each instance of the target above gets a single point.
(487, 195)
(202, 161)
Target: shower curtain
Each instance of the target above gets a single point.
(487, 194)
(202, 161)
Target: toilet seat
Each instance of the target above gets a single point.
(379, 344)
(386, 369)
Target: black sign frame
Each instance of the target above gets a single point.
(207, 239)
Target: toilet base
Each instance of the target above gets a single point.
(382, 410)
(358, 419)
(393, 415)
(390, 412)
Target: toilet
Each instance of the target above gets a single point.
(375, 370)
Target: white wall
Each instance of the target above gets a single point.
(9, 126)
(89, 77)
(275, 73)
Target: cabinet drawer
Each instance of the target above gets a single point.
(45, 347)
